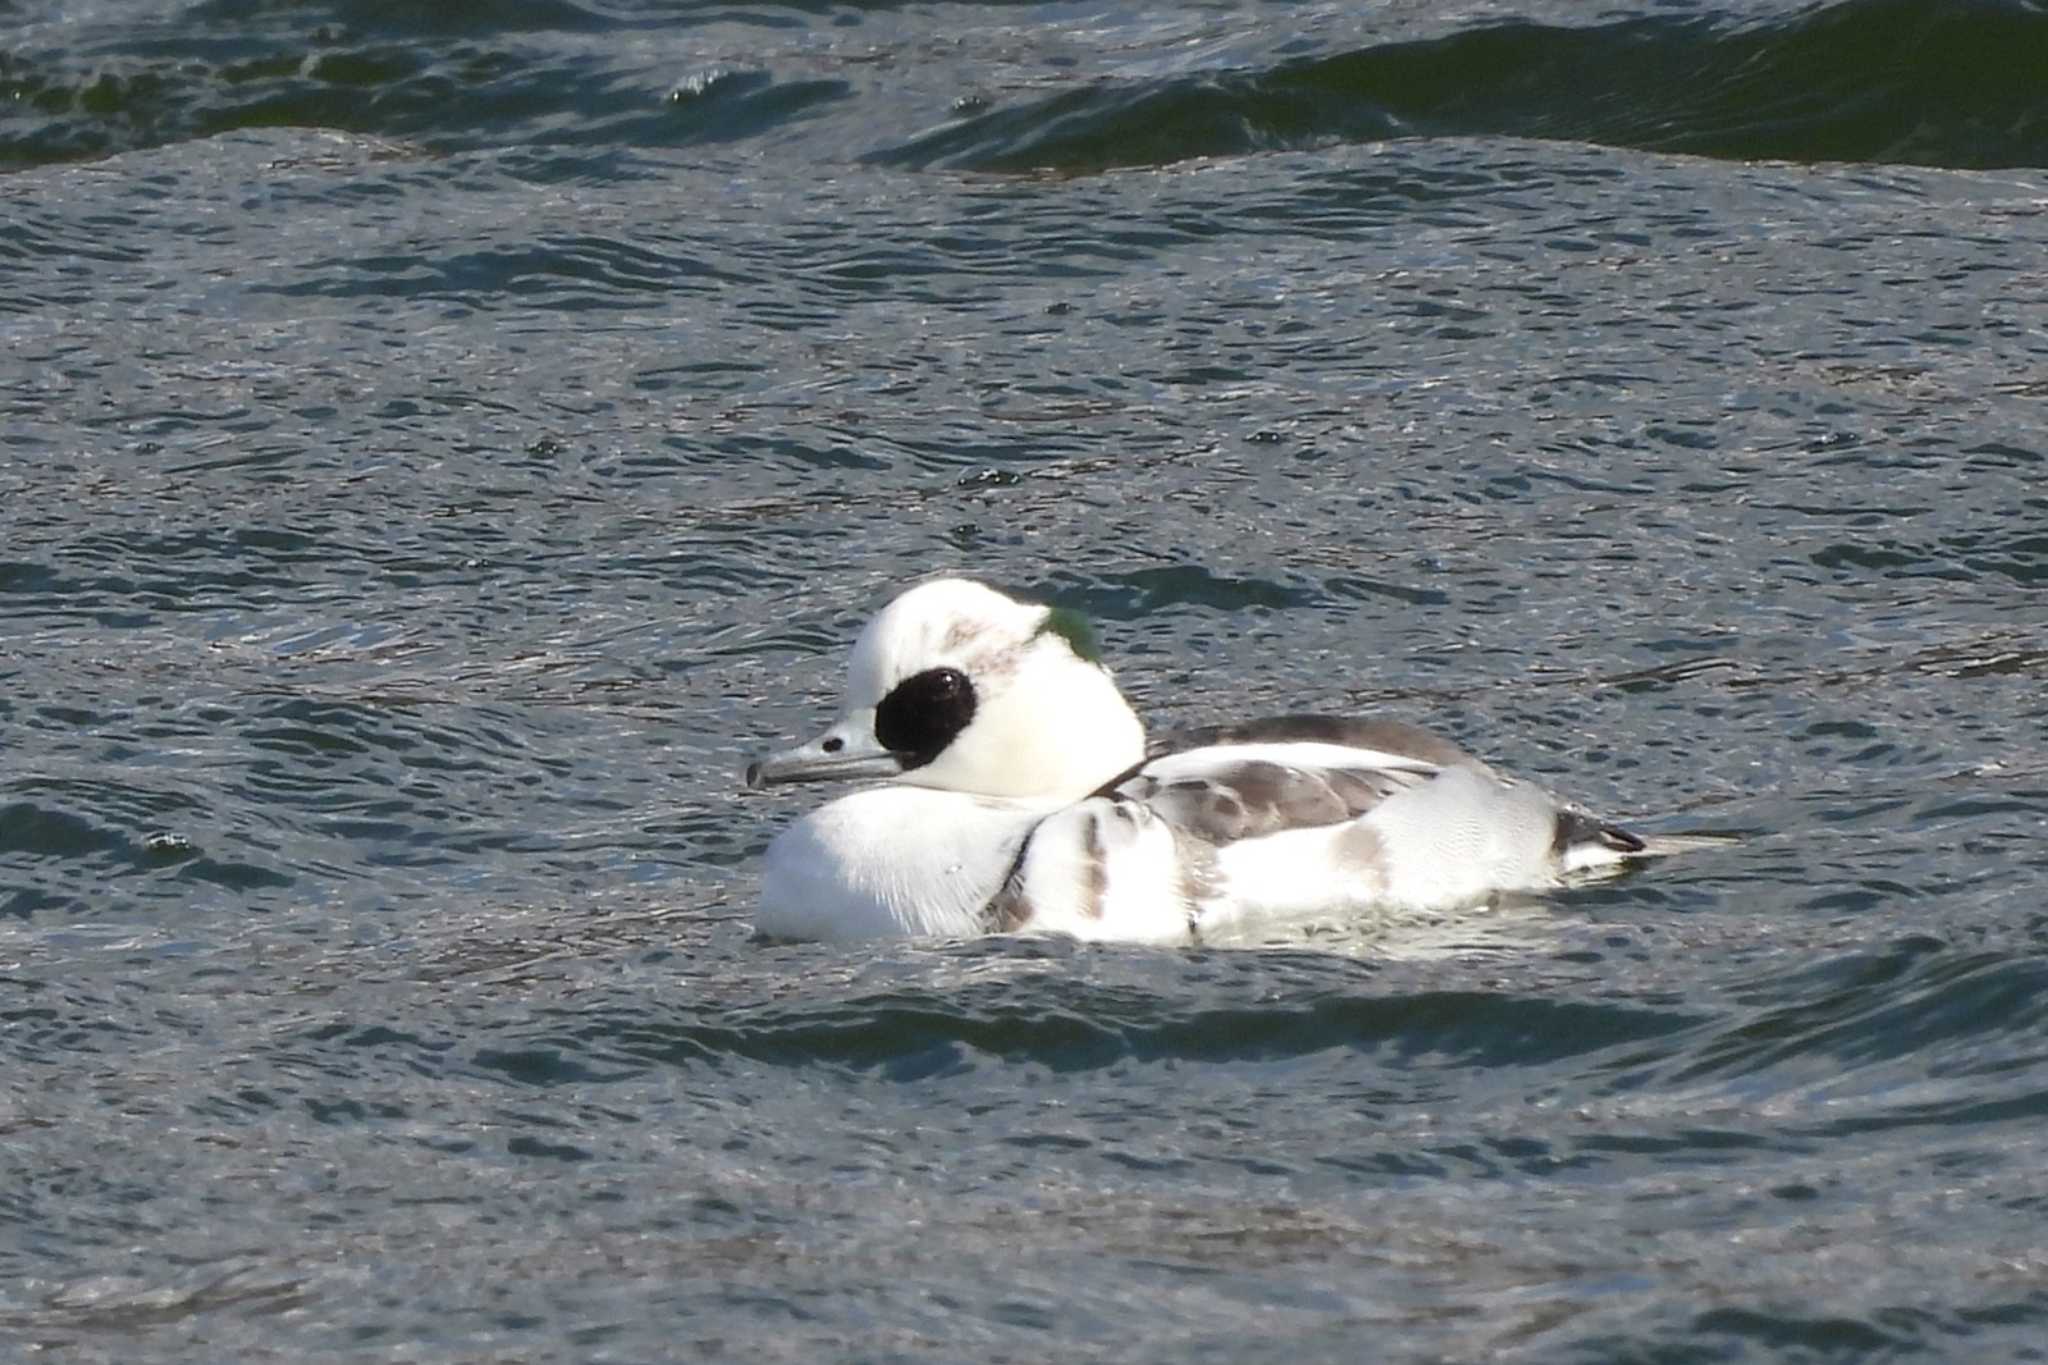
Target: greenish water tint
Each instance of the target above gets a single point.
(1870, 80)
(1864, 80)
(438, 447)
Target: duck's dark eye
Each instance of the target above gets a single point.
(921, 716)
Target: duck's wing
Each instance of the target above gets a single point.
(1230, 782)
(1235, 798)
(1367, 736)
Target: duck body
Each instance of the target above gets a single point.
(1020, 796)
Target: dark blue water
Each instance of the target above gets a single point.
(437, 446)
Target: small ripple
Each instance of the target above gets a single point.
(572, 274)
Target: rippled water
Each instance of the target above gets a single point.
(436, 447)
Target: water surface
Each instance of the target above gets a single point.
(437, 450)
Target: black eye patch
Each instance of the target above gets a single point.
(922, 714)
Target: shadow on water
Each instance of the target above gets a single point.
(1065, 1027)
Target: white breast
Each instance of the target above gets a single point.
(891, 862)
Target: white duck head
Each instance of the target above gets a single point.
(955, 686)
